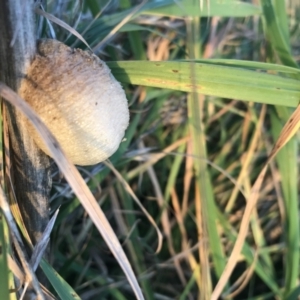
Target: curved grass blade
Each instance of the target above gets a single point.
(62, 24)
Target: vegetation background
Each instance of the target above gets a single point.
(198, 76)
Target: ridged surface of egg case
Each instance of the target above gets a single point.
(79, 100)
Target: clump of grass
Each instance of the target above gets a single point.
(192, 166)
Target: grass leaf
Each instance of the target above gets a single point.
(190, 8)
(213, 80)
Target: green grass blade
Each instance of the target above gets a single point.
(62, 288)
(133, 245)
(173, 175)
(190, 8)
(4, 291)
(205, 188)
(253, 65)
(286, 159)
(276, 34)
(294, 294)
(4, 236)
(280, 9)
(102, 26)
(214, 80)
(189, 286)
(135, 40)
(216, 248)
(208, 226)
(93, 6)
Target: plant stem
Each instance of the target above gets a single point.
(30, 167)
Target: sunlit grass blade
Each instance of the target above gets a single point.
(214, 80)
(190, 8)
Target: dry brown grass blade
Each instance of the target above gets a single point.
(15, 269)
(165, 220)
(78, 185)
(203, 251)
(233, 259)
(244, 279)
(154, 158)
(188, 176)
(289, 129)
(246, 162)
